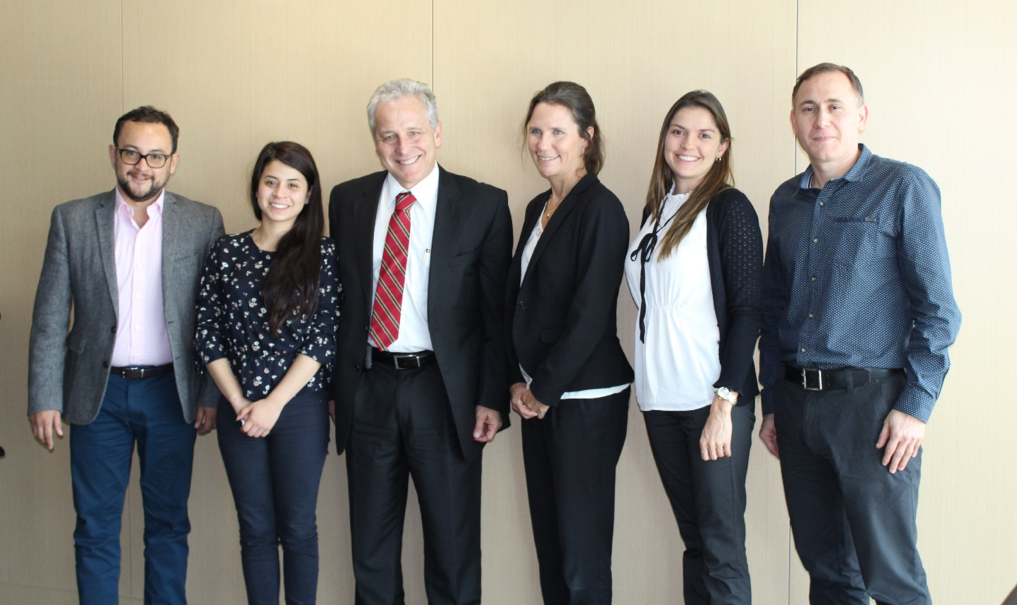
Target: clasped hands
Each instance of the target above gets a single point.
(524, 403)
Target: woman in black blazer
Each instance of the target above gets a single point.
(694, 270)
(570, 376)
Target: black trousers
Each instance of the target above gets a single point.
(708, 500)
(853, 522)
(570, 458)
(402, 427)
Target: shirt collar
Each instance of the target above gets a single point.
(855, 174)
(425, 192)
(123, 206)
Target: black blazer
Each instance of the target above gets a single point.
(734, 251)
(469, 261)
(562, 320)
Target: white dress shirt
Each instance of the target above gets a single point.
(680, 360)
(414, 334)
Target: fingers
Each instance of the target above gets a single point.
(331, 410)
(542, 411)
(768, 435)
(44, 425)
(884, 436)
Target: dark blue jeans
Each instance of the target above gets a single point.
(146, 411)
(275, 483)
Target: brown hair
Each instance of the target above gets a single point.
(823, 68)
(716, 180)
(584, 114)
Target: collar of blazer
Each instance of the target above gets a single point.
(447, 218)
(560, 216)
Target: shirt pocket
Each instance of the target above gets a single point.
(858, 243)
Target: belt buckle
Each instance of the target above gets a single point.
(818, 383)
(397, 358)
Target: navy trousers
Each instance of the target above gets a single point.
(570, 458)
(275, 483)
(147, 412)
(853, 522)
(708, 499)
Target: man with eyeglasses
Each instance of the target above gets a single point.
(125, 265)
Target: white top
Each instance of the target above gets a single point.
(680, 360)
(414, 334)
(531, 243)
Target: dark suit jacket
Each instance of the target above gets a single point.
(469, 260)
(562, 320)
(68, 371)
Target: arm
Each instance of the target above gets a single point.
(208, 394)
(924, 266)
(492, 409)
(774, 302)
(602, 243)
(48, 337)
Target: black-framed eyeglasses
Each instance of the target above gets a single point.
(132, 157)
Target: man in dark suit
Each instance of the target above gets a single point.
(420, 380)
(125, 265)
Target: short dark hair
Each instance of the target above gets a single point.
(584, 114)
(823, 68)
(150, 115)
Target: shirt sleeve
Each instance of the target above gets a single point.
(775, 301)
(320, 341)
(924, 266)
(208, 339)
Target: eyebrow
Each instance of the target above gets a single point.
(673, 124)
(138, 149)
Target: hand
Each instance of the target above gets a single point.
(516, 392)
(716, 439)
(258, 418)
(488, 423)
(530, 402)
(331, 410)
(902, 435)
(44, 424)
(205, 420)
(768, 435)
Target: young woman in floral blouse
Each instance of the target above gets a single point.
(267, 318)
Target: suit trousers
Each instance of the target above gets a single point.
(146, 411)
(275, 482)
(570, 458)
(708, 499)
(853, 522)
(402, 427)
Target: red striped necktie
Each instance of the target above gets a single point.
(388, 298)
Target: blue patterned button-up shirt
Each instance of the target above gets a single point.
(857, 275)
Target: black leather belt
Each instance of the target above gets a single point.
(823, 380)
(135, 372)
(402, 361)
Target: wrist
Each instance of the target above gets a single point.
(726, 394)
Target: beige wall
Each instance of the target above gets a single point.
(237, 73)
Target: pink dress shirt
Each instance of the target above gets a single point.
(142, 337)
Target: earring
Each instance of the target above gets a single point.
(718, 158)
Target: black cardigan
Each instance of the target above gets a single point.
(734, 251)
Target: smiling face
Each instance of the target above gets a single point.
(692, 145)
(282, 194)
(404, 140)
(141, 183)
(554, 142)
(827, 118)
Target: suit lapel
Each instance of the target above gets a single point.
(560, 216)
(447, 218)
(173, 231)
(104, 216)
(365, 213)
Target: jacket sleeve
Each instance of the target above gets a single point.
(50, 320)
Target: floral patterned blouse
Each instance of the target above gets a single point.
(233, 321)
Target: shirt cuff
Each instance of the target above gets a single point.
(914, 402)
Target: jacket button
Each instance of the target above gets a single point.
(113, 330)
(521, 305)
(356, 368)
(105, 364)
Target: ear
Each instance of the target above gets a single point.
(723, 148)
(792, 118)
(113, 156)
(863, 117)
(174, 160)
(437, 135)
(589, 133)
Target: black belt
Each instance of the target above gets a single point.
(402, 361)
(135, 372)
(823, 380)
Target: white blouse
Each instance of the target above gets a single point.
(680, 360)
(531, 243)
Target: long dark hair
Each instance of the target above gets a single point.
(291, 286)
(584, 114)
(716, 180)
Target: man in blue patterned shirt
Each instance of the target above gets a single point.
(858, 315)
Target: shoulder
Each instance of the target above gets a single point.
(85, 205)
(598, 200)
(359, 185)
(472, 188)
(198, 209)
(730, 202)
(882, 169)
(786, 190)
(327, 247)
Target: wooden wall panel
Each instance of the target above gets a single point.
(635, 59)
(59, 97)
(937, 83)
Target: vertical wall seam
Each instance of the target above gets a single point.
(794, 161)
(433, 84)
(123, 53)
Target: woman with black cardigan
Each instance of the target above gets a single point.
(694, 271)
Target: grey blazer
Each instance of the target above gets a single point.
(68, 371)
